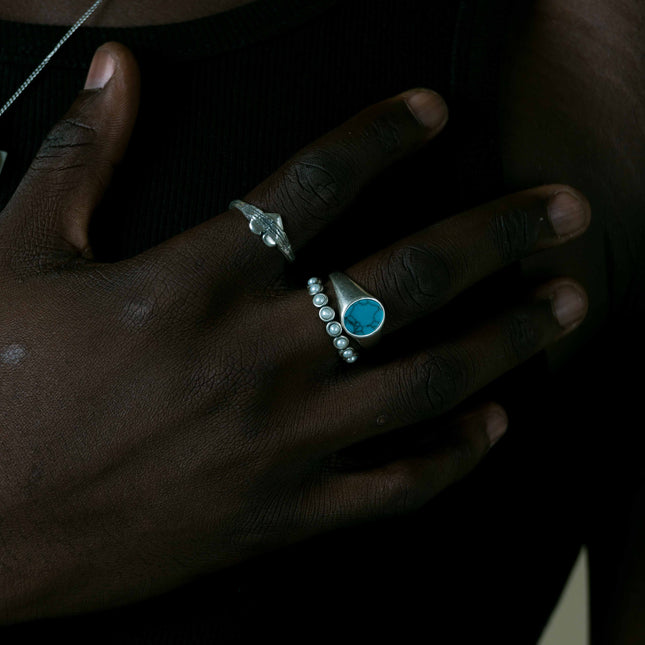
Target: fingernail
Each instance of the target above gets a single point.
(428, 108)
(569, 214)
(101, 70)
(569, 306)
(496, 425)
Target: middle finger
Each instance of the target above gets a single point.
(421, 273)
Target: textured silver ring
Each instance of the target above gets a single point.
(361, 314)
(328, 315)
(268, 226)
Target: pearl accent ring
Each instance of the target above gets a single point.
(333, 327)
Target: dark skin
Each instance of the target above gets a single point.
(576, 54)
(574, 108)
(421, 479)
(215, 408)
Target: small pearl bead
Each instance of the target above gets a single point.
(352, 359)
(314, 289)
(313, 281)
(320, 300)
(327, 314)
(342, 342)
(334, 329)
(348, 353)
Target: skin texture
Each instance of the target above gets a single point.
(114, 13)
(574, 90)
(156, 425)
(573, 107)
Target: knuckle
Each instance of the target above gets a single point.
(137, 314)
(515, 233)
(385, 131)
(70, 135)
(442, 380)
(423, 277)
(231, 378)
(463, 457)
(521, 336)
(430, 386)
(157, 296)
(399, 492)
(317, 182)
(460, 458)
(148, 297)
(160, 309)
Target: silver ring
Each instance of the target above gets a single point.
(333, 327)
(361, 314)
(268, 226)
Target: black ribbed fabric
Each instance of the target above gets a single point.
(226, 100)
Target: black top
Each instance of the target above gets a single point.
(226, 100)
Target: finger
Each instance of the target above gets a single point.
(423, 272)
(368, 402)
(51, 209)
(406, 484)
(321, 180)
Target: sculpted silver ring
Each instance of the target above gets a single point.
(268, 226)
(361, 314)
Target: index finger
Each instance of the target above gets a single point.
(321, 180)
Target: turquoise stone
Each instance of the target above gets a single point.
(364, 317)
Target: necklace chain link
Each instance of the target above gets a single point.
(49, 56)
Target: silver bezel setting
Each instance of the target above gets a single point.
(349, 293)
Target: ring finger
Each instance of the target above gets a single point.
(361, 403)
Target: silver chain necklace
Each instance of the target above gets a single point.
(41, 66)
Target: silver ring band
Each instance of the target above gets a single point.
(361, 314)
(328, 315)
(268, 226)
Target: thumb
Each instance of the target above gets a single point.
(51, 209)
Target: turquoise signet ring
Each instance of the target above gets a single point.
(361, 314)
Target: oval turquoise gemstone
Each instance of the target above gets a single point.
(364, 317)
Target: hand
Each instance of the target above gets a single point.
(178, 412)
